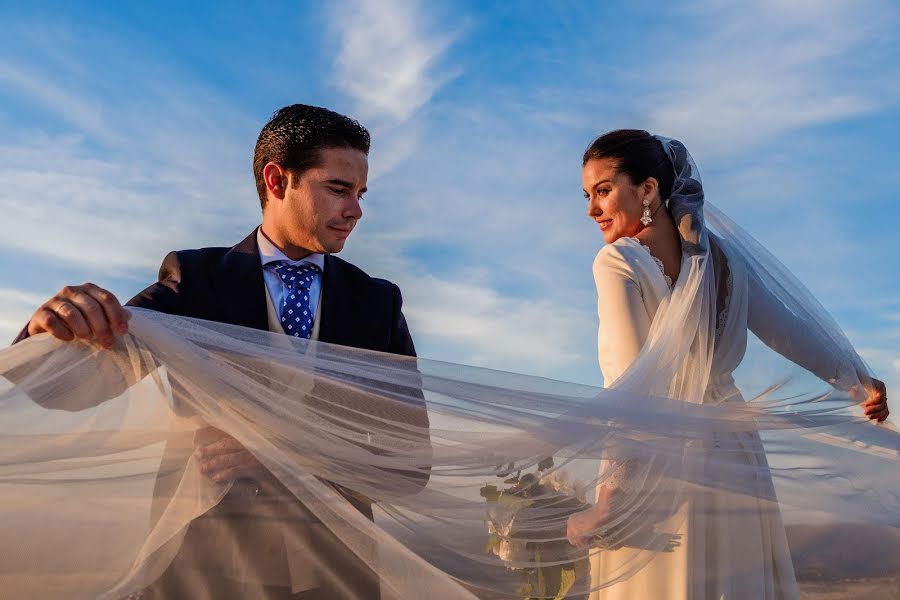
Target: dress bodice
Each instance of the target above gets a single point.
(631, 287)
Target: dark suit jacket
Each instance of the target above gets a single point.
(226, 285)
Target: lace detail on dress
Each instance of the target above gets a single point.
(627, 475)
(659, 263)
(622, 475)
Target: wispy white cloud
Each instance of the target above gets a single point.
(765, 68)
(119, 165)
(388, 51)
(82, 211)
(83, 113)
(17, 307)
(139, 165)
(388, 62)
(20, 296)
(491, 329)
(466, 317)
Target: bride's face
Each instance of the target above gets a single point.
(614, 201)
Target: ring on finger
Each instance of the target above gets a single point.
(59, 306)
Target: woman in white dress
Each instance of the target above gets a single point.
(645, 194)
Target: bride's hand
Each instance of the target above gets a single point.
(873, 397)
(583, 526)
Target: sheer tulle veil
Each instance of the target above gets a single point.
(473, 473)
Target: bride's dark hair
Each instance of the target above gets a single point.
(638, 154)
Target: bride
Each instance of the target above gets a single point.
(662, 270)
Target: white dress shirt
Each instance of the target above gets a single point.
(269, 254)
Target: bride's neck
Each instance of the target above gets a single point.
(661, 237)
(661, 228)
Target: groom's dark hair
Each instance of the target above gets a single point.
(637, 154)
(295, 135)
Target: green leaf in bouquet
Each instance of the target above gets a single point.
(541, 581)
(567, 579)
(545, 464)
(541, 584)
(492, 542)
(490, 493)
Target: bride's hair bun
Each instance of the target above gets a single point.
(638, 154)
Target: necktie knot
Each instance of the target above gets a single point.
(297, 276)
(296, 315)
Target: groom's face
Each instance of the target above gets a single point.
(322, 205)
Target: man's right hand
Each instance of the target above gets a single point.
(84, 312)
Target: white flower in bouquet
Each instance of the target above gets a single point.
(558, 481)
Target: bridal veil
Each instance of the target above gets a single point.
(473, 473)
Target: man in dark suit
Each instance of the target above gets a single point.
(311, 168)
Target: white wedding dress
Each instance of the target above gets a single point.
(719, 532)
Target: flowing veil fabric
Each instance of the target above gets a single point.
(85, 431)
(473, 473)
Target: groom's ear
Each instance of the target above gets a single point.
(276, 180)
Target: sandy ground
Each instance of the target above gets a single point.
(868, 589)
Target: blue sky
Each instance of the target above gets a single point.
(127, 129)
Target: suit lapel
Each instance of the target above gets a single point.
(338, 311)
(239, 286)
(331, 279)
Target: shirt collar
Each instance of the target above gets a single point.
(270, 253)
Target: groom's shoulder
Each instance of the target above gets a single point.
(192, 260)
(197, 260)
(356, 277)
(201, 256)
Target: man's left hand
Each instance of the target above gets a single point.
(223, 459)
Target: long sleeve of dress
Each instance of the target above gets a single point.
(624, 326)
(624, 322)
(792, 336)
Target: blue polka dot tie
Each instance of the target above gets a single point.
(296, 315)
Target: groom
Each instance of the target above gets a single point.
(311, 167)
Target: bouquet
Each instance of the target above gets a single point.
(527, 529)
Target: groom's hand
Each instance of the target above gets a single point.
(84, 312)
(223, 459)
